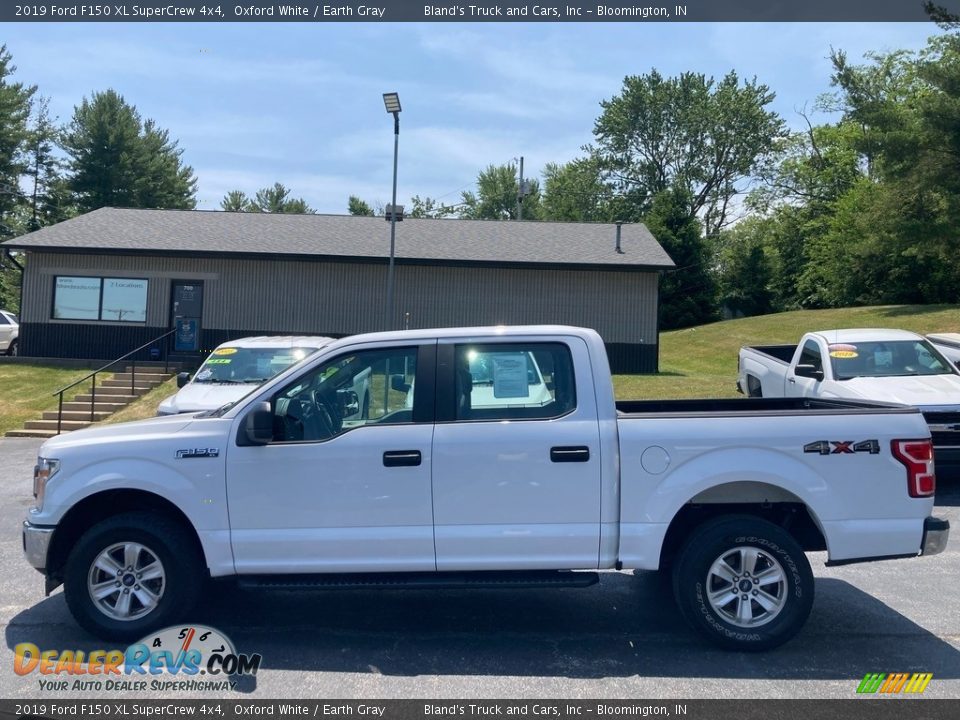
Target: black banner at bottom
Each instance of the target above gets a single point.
(894, 708)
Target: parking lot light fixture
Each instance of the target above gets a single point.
(391, 101)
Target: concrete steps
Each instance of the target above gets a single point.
(79, 414)
(29, 433)
(113, 393)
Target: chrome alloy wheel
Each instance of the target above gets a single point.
(746, 586)
(126, 581)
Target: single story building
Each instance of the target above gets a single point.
(100, 285)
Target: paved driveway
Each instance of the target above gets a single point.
(622, 639)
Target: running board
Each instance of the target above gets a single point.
(447, 580)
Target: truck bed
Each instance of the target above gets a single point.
(781, 353)
(754, 406)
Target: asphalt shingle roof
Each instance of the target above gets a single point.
(346, 236)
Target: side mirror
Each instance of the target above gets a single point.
(398, 383)
(182, 379)
(809, 371)
(257, 426)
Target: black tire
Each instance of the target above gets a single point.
(731, 538)
(12, 350)
(165, 540)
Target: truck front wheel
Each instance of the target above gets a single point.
(132, 574)
(744, 583)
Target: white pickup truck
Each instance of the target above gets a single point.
(278, 490)
(892, 366)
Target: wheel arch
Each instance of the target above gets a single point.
(758, 499)
(100, 506)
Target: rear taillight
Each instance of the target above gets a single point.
(917, 457)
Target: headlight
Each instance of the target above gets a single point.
(45, 469)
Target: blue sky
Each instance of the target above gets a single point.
(301, 104)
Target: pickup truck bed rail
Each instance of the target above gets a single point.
(755, 406)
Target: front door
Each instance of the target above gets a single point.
(345, 484)
(516, 457)
(799, 386)
(186, 313)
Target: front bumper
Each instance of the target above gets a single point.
(36, 542)
(935, 534)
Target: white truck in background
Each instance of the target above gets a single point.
(893, 366)
(236, 367)
(278, 491)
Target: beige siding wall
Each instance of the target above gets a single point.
(345, 298)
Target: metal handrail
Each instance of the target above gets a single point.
(93, 375)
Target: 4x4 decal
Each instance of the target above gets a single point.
(842, 447)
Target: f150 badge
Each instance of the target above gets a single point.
(198, 453)
(842, 447)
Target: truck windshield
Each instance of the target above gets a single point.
(886, 359)
(248, 365)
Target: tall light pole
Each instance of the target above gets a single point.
(391, 101)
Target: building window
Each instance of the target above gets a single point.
(94, 298)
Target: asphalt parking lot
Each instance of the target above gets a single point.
(621, 639)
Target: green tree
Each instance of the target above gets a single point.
(698, 134)
(274, 199)
(48, 199)
(356, 206)
(893, 236)
(117, 160)
(496, 196)
(688, 293)
(10, 278)
(235, 201)
(428, 207)
(277, 199)
(744, 272)
(576, 192)
(15, 105)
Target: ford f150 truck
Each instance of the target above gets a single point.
(883, 365)
(278, 490)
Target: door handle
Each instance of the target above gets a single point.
(571, 453)
(792, 380)
(401, 458)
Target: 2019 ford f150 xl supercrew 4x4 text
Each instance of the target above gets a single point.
(278, 490)
(893, 366)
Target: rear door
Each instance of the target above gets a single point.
(516, 473)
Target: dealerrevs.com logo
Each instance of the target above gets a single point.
(894, 683)
(188, 658)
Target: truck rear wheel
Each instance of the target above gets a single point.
(744, 583)
(132, 574)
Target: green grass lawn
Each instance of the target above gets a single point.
(702, 361)
(27, 390)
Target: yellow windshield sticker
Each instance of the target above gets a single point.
(844, 354)
(224, 351)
